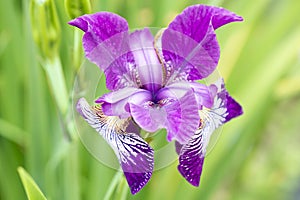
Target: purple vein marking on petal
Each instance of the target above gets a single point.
(136, 160)
(234, 109)
(192, 153)
(135, 155)
(191, 158)
(196, 51)
(148, 117)
(182, 118)
(225, 103)
(98, 27)
(106, 43)
(148, 65)
(194, 20)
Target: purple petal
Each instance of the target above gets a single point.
(148, 66)
(148, 116)
(115, 103)
(135, 155)
(115, 58)
(105, 43)
(175, 90)
(222, 16)
(233, 109)
(192, 154)
(118, 73)
(178, 147)
(216, 115)
(182, 118)
(195, 20)
(191, 158)
(179, 116)
(136, 160)
(204, 94)
(223, 109)
(195, 54)
(99, 27)
(188, 58)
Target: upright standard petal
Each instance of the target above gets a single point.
(147, 63)
(134, 154)
(195, 54)
(192, 154)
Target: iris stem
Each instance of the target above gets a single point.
(77, 48)
(58, 89)
(122, 190)
(117, 178)
(57, 83)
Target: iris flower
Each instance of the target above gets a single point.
(153, 83)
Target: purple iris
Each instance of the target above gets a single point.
(153, 85)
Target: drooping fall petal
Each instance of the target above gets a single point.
(134, 154)
(192, 154)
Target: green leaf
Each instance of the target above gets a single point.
(12, 132)
(32, 190)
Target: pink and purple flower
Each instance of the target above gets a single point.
(153, 83)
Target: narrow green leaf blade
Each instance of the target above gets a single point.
(32, 190)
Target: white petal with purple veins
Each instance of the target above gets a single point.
(134, 154)
(192, 154)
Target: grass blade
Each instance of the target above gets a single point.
(32, 190)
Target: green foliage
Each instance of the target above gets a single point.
(45, 27)
(32, 190)
(77, 8)
(256, 156)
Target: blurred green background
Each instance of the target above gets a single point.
(256, 157)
